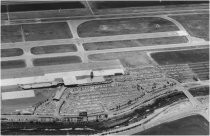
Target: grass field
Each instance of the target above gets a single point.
(181, 57)
(4, 16)
(201, 69)
(199, 91)
(56, 60)
(46, 31)
(128, 59)
(49, 14)
(11, 52)
(134, 43)
(196, 24)
(44, 6)
(9, 106)
(13, 64)
(125, 26)
(11, 33)
(127, 4)
(191, 125)
(53, 49)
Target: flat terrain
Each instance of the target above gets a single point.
(43, 6)
(199, 91)
(13, 64)
(181, 57)
(11, 52)
(125, 26)
(191, 125)
(49, 14)
(196, 24)
(201, 69)
(53, 49)
(11, 33)
(56, 60)
(4, 16)
(46, 41)
(43, 9)
(46, 31)
(127, 4)
(41, 95)
(134, 43)
(128, 59)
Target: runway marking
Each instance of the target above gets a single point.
(17, 94)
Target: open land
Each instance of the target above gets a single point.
(35, 32)
(134, 43)
(12, 64)
(199, 91)
(53, 49)
(145, 92)
(197, 60)
(46, 31)
(47, 14)
(126, 4)
(192, 125)
(11, 52)
(43, 6)
(128, 59)
(11, 33)
(125, 26)
(56, 60)
(196, 24)
(44, 9)
(10, 106)
(201, 69)
(4, 16)
(180, 57)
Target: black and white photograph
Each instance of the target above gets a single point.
(105, 67)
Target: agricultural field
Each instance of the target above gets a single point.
(134, 43)
(46, 31)
(108, 27)
(53, 49)
(56, 60)
(128, 59)
(191, 125)
(181, 57)
(13, 64)
(11, 33)
(11, 52)
(196, 24)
